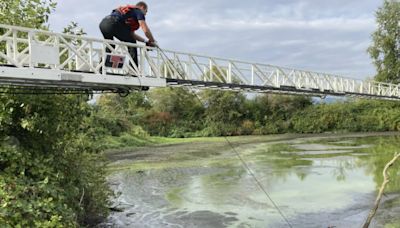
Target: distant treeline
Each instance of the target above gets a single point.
(180, 112)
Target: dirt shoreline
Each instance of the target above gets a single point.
(196, 146)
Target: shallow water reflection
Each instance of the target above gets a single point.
(317, 182)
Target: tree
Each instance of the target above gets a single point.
(115, 115)
(26, 13)
(385, 50)
(275, 111)
(49, 174)
(177, 109)
(224, 112)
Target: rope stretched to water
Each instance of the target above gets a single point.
(243, 162)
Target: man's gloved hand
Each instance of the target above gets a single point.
(151, 44)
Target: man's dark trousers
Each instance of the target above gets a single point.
(111, 27)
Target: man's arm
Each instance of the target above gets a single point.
(137, 37)
(146, 31)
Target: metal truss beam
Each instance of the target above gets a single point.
(30, 57)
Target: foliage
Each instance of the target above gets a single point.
(114, 116)
(385, 50)
(179, 113)
(357, 116)
(50, 175)
(224, 111)
(174, 112)
(280, 109)
(74, 29)
(25, 200)
(26, 13)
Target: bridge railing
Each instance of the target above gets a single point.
(23, 47)
(213, 69)
(30, 48)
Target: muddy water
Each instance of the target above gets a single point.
(325, 181)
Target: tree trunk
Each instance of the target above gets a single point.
(378, 198)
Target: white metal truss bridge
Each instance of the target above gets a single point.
(43, 59)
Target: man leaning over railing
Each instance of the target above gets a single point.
(122, 24)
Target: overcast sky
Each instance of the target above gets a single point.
(318, 35)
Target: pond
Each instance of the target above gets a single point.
(316, 181)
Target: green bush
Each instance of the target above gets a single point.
(50, 175)
(230, 113)
(356, 116)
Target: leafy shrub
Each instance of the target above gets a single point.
(50, 175)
